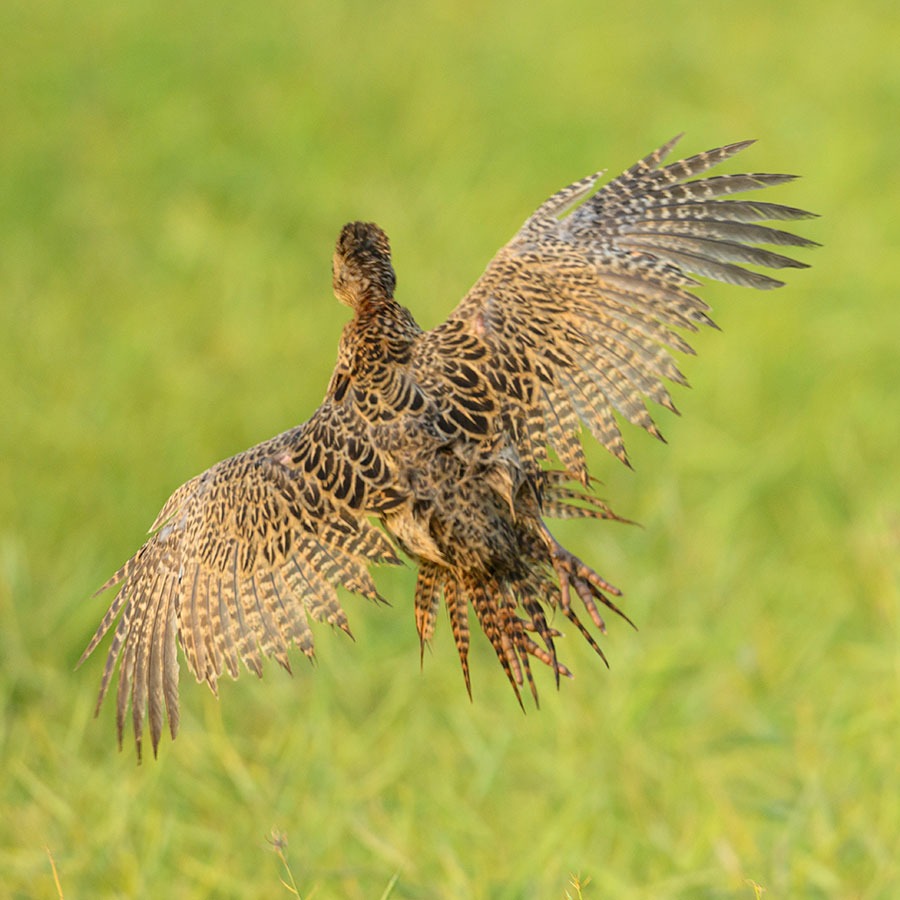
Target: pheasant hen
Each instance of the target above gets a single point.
(441, 436)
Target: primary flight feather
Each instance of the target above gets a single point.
(441, 436)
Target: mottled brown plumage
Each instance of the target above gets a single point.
(442, 437)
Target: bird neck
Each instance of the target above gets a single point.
(381, 332)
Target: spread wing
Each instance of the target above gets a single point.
(577, 310)
(240, 557)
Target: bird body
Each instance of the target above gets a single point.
(441, 437)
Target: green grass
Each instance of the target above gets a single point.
(172, 178)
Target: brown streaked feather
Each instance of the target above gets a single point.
(608, 268)
(443, 438)
(457, 609)
(215, 570)
(427, 603)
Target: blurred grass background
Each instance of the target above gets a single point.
(172, 178)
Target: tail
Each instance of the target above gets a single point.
(513, 613)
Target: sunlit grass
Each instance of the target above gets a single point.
(171, 182)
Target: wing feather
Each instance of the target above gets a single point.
(155, 669)
(224, 625)
(238, 559)
(583, 301)
(169, 652)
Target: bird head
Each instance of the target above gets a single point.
(361, 269)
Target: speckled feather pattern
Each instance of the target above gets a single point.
(436, 443)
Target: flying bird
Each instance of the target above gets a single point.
(441, 438)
